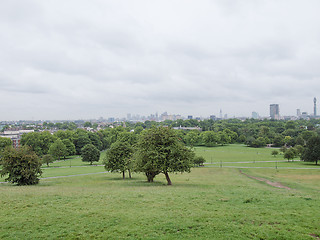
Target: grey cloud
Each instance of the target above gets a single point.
(79, 59)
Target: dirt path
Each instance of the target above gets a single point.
(274, 184)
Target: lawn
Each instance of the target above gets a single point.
(236, 153)
(208, 203)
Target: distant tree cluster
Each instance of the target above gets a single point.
(252, 132)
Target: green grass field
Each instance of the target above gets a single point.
(236, 153)
(208, 203)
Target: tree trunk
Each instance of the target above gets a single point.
(129, 173)
(123, 176)
(168, 178)
(150, 176)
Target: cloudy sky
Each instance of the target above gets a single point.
(80, 59)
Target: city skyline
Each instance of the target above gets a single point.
(274, 113)
(94, 59)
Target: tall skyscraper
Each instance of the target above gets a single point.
(315, 106)
(274, 111)
(298, 113)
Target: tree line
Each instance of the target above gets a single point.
(154, 151)
(124, 144)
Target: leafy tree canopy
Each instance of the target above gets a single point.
(90, 153)
(22, 165)
(311, 152)
(5, 142)
(58, 149)
(118, 157)
(159, 150)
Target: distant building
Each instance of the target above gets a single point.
(305, 116)
(274, 111)
(314, 107)
(298, 113)
(15, 136)
(111, 120)
(187, 128)
(255, 115)
(213, 117)
(190, 117)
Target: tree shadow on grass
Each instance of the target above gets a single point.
(313, 164)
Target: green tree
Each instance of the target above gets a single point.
(67, 134)
(311, 152)
(199, 161)
(81, 139)
(278, 141)
(159, 150)
(38, 141)
(283, 149)
(22, 165)
(90, 153)
(5, 142)
(224, 138)
(47, 159)
(300, 141)
(231, 134)
(128, 137)
(289, 154)
(119, 158)
(138, 130)
(210, 138)
(299, 149)
(95, 140)
(58, 149)
(87, 124)
(274, 153)
(192, 138)
(70, 148)
(306, 135)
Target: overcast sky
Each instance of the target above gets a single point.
(81, 59)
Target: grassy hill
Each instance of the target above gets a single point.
(208, 203)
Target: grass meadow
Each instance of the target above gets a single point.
(211, 202)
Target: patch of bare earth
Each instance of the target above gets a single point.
(274, 184)
(315, 236)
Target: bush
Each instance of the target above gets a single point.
(199, 161)
(22, 165)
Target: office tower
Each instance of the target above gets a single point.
(315, 107)
(274, 111)
(298, 113)
(255, 115)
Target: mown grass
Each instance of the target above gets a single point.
(236, 153)
(208, 203)
(75, 161)
(276, 164)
